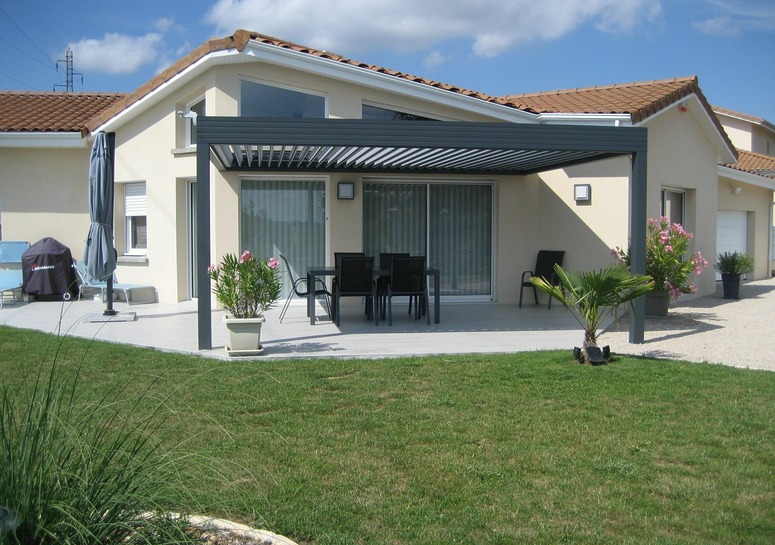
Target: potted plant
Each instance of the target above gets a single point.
(667, 263)
(731, 265)
(590, 296)
(245, 287)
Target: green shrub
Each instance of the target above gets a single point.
(734, 263)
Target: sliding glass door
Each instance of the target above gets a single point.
(449, 223)
(284, 217)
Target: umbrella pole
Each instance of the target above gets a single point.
(109, 309)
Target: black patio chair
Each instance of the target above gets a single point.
(407, 278)
(299, 288)
(355, 278)
(337, 261)
(544, 269)
(385, 262)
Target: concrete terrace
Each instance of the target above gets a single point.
(464, 328)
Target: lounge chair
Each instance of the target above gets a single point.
(11, 275)
(88, 284)
(299, 288)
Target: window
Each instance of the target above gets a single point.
(285, 216)
(451, 224)
(199, 109)
(673, 206)
(375, 112)
(136, 219)
(259, 100)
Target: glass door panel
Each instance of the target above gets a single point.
(284, 217)
(451, 224)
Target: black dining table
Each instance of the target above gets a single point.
(322, 272)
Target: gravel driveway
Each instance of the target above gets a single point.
(740, 333)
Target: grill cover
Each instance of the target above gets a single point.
(48, 269)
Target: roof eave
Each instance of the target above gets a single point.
(62, 140)
(615, 119)
(746, 177)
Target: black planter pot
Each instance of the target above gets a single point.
(731, 285)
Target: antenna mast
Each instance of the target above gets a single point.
(68, 60)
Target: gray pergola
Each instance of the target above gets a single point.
(409, 147)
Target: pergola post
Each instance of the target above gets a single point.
(638, 212)
(202, 242)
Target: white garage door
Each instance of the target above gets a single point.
(731, 232)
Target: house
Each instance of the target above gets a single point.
(244, 143)
(743, 190)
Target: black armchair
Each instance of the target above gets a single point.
(544, 269)
(355, 278)
(407, 277)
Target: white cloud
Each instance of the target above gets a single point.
(434, 58)
(731, 19)
(718, 26)
(492, 26)
(163, 24)
(117, 53)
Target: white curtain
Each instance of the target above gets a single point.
(451, 224)
(285, 216)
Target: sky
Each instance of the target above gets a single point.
(497, 47)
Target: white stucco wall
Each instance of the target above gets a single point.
(45, 194)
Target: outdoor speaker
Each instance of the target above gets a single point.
(594, 355)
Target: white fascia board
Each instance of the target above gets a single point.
(696, 109)
(72, 140)
(746, 177)
(616, 120)
(169, 86)
(384, 82)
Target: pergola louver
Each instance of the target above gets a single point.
(416, 147)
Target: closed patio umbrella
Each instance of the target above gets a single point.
(99, 257)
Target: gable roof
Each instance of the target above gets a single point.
(51, 112)
(640, 100)
(240, 40)
(754, 163)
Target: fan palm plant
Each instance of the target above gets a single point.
(591, 296)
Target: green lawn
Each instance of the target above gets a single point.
(519, 448)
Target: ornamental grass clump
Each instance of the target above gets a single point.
(246, 286)
(667, 246)
(80, 473)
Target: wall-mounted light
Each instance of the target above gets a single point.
(345, 190)
(582, 193)
(188, 115)
(737, 190)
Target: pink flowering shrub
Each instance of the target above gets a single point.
(666, 260)
(245, 286)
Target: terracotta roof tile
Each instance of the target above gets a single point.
(51, 112)
(240, 39)
(639, 99)
(741, 115)
(754, 163)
